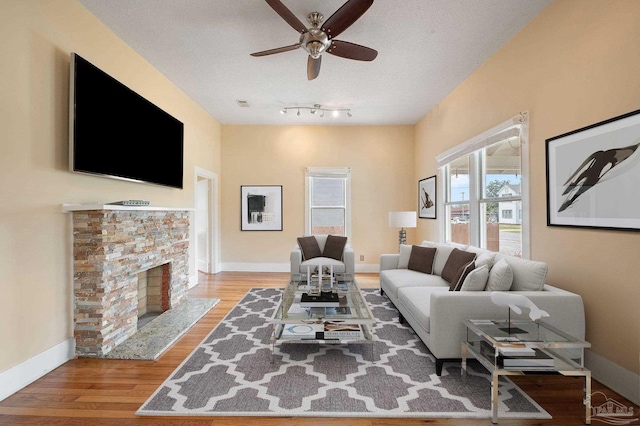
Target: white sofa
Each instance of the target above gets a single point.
(436, 314)
(344, 266)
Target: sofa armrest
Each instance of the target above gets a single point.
(349, 259)
(448, 310)
(295, 260)
(389, 261)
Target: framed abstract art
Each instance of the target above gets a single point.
(427, 198)
(593, 175)
(261, 208)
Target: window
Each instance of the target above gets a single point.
(485, 181)
(327, 201)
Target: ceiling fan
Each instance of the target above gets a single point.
(320, 37)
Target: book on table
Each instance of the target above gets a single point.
(300, 331)
(325, 299)
(517, 356)
(342, 331)
(538, 359)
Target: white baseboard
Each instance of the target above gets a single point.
(27, 372)
(613, 376)
(193, 280)
(256, 267)
(285, 267)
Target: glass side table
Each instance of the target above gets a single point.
(525, 347)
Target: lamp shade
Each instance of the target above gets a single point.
(402, 219)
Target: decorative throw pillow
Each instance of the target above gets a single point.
(334, 247)
(461, 275)
(442, 255)
(405, 253)
(476, 280)
(421, 259)
(500, 277)
(309, 247)
(457, 259)
(528, 275)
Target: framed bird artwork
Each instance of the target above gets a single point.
(593, 175)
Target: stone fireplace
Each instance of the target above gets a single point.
(112, 246)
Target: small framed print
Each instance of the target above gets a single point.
(593, 176)
(261, 208)
(427, 198)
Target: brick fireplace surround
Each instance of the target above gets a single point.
(111, 245)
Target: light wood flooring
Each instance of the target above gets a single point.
(108, 392)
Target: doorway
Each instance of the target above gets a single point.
(206, 221)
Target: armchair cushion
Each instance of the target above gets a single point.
(334, 247)
(309, 247)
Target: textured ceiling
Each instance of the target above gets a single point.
(425, 49)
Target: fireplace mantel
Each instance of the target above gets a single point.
(69, 208)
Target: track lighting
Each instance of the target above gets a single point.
(317, 109)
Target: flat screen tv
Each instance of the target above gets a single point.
(115, 132)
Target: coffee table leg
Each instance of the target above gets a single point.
(494, 398)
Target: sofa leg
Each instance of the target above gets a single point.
(439, 363)
(381, 292)
(400, 318)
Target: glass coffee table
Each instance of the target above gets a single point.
(341, 316)
(525, 347)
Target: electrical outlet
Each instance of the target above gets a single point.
(361, 257)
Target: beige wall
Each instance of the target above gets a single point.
(576, 64)
(382, 180)
(35, 237)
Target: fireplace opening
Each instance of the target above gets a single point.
(153, 293)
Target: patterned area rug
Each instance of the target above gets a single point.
(234, 373)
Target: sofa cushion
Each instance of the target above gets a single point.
(417, 301)
(421, 259)
(457, 259)
(393, 279)
(500, 277)
(476, 280)
(461, 275)
(309, 247)
(334, 247)
(405, 254)
(338, 266)
(528, 275)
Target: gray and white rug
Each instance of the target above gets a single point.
(233, 373)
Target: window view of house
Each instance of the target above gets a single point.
(483, 202)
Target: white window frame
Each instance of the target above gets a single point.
(518, 125)
(328, 172)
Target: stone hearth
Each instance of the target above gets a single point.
(111, 246)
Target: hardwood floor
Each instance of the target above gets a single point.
(106, 392)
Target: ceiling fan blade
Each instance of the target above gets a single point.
(277, 50)
(345, 16)
(313, 67)
(344, 49)
(287, 15)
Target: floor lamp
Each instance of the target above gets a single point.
(402, 220)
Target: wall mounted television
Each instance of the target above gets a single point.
(114, 132)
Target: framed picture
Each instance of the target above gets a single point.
(427, 198)
(261, 208)
(593, 176)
